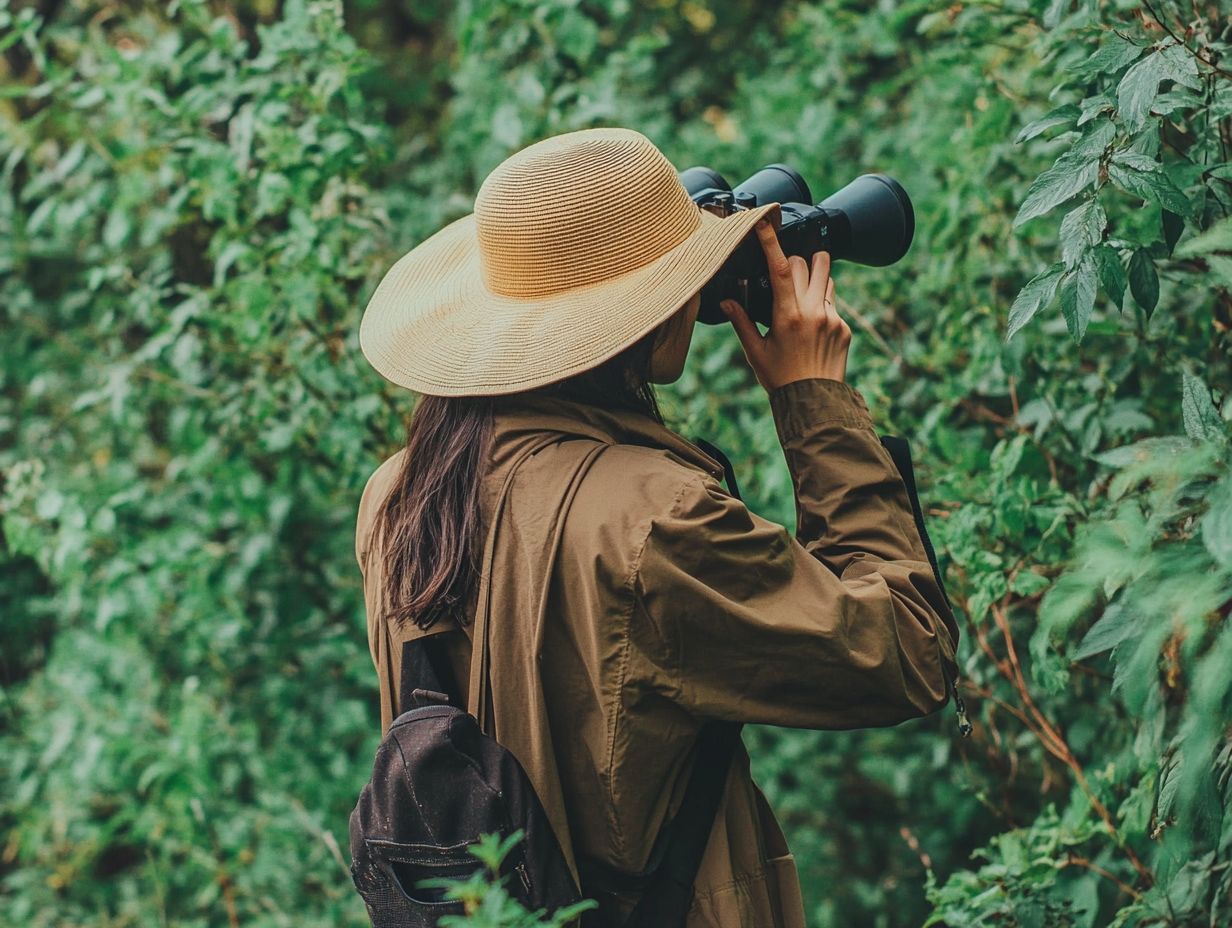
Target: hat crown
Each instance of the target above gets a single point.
(579, 209)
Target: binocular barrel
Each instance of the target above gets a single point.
(869, 221)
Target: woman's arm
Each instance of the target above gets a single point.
(843, 626)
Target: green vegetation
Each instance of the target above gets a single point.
(487, 903)
(196, 199)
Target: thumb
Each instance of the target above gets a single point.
(746, 329)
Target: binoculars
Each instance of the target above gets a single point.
(870, 221)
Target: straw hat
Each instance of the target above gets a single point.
(579, 245)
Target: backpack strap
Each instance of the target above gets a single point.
(729, 472)
(667, 895)
(479, 699)
(426, 674)
(900, 454)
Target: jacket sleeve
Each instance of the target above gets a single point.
(842, 626)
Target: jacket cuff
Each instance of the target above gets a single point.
(805, 404)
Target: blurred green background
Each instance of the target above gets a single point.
(197, 198)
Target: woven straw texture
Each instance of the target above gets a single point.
(578, 246)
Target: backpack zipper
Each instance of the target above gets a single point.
(951, 682)
(523, 876)
(964, 724)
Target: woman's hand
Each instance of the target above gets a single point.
(806, 338)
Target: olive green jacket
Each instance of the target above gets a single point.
(628, 597)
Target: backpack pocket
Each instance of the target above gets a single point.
(389, 878)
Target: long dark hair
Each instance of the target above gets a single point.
(429, 529)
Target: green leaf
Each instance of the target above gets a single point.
(1114, 626)
(1217, 238)
(1141, 451)
(1037, 294)
(1137, 160)
(1028, 583)
(1143, 281)
(1202, 420)
(507, 127)
(1221, 268)
(1138, 87)
(1216, 524)
(231, 252)
(1095, 139)
(1070, 175)
(1061, 116)
(1182, 67)
(1111, 273)
(1056, 9)
(1143, 177)
(1078, 296)
(1170, 101)
(1095, 106)
(1082, 228)
(577, 35)
(1114, 54)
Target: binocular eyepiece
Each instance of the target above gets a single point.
(870, 221)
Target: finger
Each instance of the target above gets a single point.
(831, 303)
(781, 282)
(746, 328)
(819, 275)
(799, 275)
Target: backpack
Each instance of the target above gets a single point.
(439, 782)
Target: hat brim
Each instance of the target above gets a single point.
(432, 326)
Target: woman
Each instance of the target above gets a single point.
(601, 594)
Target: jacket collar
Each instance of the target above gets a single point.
(520, 421)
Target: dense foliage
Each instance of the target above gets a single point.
(197, 198)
